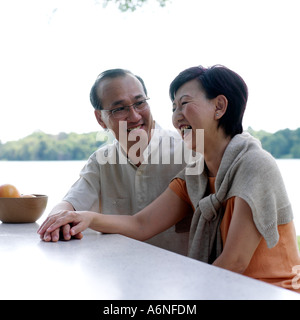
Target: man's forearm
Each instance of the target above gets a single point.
(63, 205)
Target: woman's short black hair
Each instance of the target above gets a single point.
(109, 74)
(218, 80)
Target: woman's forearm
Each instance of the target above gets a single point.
(126, 225)
(160, 215)
(78, 221)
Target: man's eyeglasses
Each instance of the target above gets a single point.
(122, 112)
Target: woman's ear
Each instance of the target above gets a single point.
(98, 116)
(221, 104)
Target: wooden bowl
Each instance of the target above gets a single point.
(22, 210)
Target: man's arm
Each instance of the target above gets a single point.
(63, 205)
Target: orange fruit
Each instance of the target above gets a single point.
(9, 191)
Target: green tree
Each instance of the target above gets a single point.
(131, 5)
(282, 144)
(74, 146)
(42, 146)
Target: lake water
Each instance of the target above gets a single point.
(54, 178)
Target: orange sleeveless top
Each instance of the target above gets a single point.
(279, 265)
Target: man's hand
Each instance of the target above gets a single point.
(65, 224)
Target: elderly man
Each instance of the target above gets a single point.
(127, 175)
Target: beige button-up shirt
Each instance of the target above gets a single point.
(109, 183)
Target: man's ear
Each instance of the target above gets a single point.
(221, 103)
(98, 116)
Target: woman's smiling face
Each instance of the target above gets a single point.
(192, 111)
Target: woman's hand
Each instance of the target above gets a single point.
(68, 223)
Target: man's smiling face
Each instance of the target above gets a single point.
(121, 92)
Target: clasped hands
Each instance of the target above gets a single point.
(65, 225)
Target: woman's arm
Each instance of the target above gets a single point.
(242, 239)
(162, 213)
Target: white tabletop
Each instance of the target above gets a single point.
(113, 267)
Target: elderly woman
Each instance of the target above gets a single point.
(242, 219)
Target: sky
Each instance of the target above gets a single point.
(53, 50)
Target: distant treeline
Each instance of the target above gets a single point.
(43, 146)
(283, 144)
